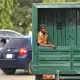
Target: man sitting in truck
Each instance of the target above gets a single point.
(43, 37)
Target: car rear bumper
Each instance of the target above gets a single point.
(14, 63)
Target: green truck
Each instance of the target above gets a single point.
(63, 28)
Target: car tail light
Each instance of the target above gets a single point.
(48, 76)
(23, 52)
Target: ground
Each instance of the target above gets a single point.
(19, 75)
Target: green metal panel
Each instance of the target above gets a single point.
(76, 65)
(78, 27)
(57, 5)
(61, 25)
(54, 65)
(34, 35)
(71, 27)
(76, 58)
(59, 48)
(63, 28)
(57, 55)
(55, 28)
(59, 28)
(45, 18)
(55, 59)
(50, 25)
(76, 55)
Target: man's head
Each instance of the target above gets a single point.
(43, 28)
(3, 42)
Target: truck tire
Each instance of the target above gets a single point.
(30, 70)
(9, 71)
(38, 77)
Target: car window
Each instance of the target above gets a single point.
(29, 37)
(18, 43)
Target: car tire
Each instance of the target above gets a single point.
(38, 77)
(9, 71)
(30, 70)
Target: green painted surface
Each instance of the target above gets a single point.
(63, 28)
(61, 56)
(57, 5)
(34, 34)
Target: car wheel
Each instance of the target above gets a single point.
(38, 77)
(30, 70)
(9, 71)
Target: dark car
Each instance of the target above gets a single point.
(16, 54)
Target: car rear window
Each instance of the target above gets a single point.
(19, 43)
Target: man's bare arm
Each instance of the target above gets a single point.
(52, 45)
(49, 43)
(42, 44)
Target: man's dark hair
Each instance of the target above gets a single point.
(3, 40)
(42, 26)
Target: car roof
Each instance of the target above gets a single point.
(21, 38)
(3, 30)
(18, 38)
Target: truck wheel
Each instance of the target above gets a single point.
(38, 77)
(30, 70)
(9, 71)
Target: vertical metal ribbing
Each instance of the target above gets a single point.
(57, 75)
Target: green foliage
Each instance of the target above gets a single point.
(6, 8)
(23, 3)
(22, 17)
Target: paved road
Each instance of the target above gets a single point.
(19, 75)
